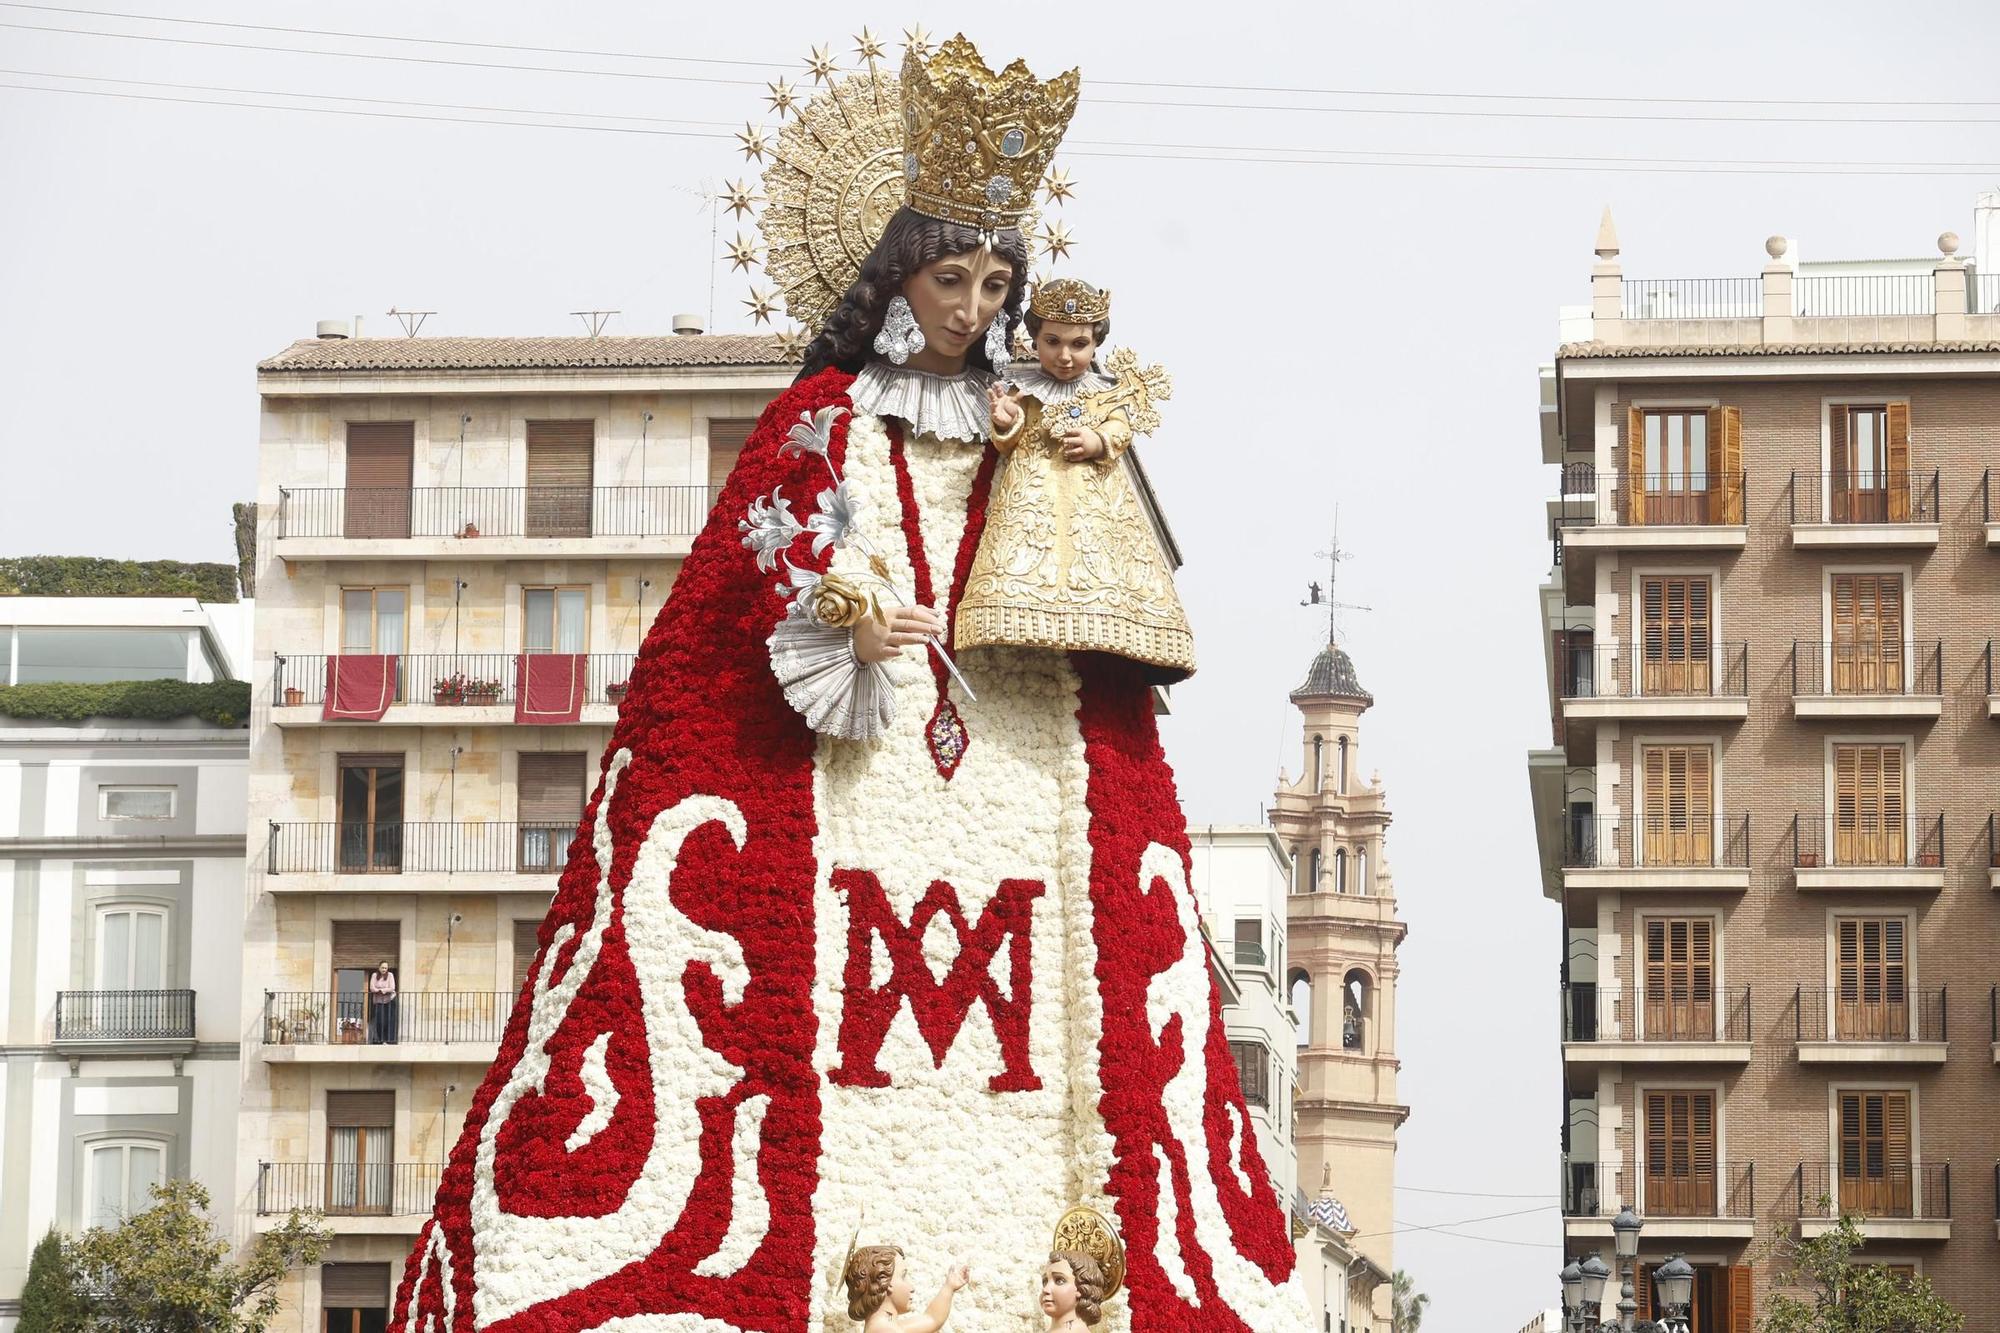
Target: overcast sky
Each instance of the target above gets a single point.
(1339, 334)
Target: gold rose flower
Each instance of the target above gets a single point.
(839, 603)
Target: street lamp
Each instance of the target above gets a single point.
(1572, 1285)
(1625, 1244)
(1674, 1281)
(1594, 1275)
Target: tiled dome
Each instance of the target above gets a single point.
(1332, 675)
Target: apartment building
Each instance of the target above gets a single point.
(1767, 813)
(461, 543)
(121, 870)
(1341, 973)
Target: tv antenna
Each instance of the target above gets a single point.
(595, 320)
(412, 320)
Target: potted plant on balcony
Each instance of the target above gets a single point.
(350, 1031)
(1930, 858)
(480, 692)
(615, 692)
(471, 529)
(1808, 860)
(449, 691)
(294, 696)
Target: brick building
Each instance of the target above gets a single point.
(1768, 813)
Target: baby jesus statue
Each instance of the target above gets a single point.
(1070, 559)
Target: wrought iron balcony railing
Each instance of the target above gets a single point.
(1866, 1183)
(348, 1189)
(389, 848)
(1670, 664)
(1664, 840)
(1692, 298)
(124, 1015)
(318, 1018)
(1870, 1009)
(1664, 499)
(1874, 668)
(1668, 1011)
(1877, 497)
(1867, 838)
(1677, 1181)
(446, 680)
(472, 512)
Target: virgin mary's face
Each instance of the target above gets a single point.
(1058, 1290)
(954, 299)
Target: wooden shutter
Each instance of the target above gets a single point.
(361, 1110)
(1680, 979)
(726, 438)
(354, 1286)
(1739, 1311)
(1725, 465)
(1680, 1154)
(1875, 1153)
(1896, 462)
(1680, 816)
(1868, 805)
(1642, 1292)
(1675, 634)
(1635, 466)
(526, 942)
(377, 496)
(551, 789)
(366, 943)
(1838, 469)
(1867, 633)
(560, 478)
(1871, 984)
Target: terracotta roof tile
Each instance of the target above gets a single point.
(1597, 351)
(310, 355)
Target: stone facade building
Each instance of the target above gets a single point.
(1768, 814)
(461, 543)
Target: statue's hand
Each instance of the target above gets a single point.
(875, 641)
(959, 1275)
(1083, 445)
(1004, 406)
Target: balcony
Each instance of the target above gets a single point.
(1993, 1014)
(445, 689)
(1894, 1200)
(358, 1198)
(426, 1027)
(362, 858)
(124, 1022)
(1702, 511)
(1868, 850)
(1843, 511)
(1671, 853)
(1684, 1026)
(1673, 678)
(490, 522)
(1872, 1022)
(1250, 957)
(1884, 681)
(1993, 850)
(1679, 1196)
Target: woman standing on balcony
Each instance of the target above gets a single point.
(382, 1005)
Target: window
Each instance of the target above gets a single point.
(1868, 462)
(371, 814)
(560, 478)
(1253, 1071)
(377, 499)
(725, 445)
(526, 942)
(359, 1130)
(355, 1298)
(1676, 465)
(1679, 808)
(135, 802)
(1868, 805)
(1680, 1154)
(131, 948)
(1871, 996)
(1354, 1011)
(1250, 943)
(93, 655)
(359, 947)
(1361, 885)
(1340, 767)
(1319, 763)
(1674, 639)
(1301, 991)
(551, 795)
(555, 620)
(1316, 864)
(1680, 979)
(1875, 1154)
(1721, 1298)
(118, 1180)
(373, 620)
(1340, 870)
(1867, 634)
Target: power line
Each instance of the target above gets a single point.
(1576, 165)
(1461, 1222)
(1111, 83)
(1590, 160)
(1290, 109)
(1471, 1194)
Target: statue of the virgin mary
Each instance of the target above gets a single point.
(854, 945)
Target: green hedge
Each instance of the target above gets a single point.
(90, 576)
(226, 703)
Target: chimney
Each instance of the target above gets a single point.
(331, 328)
(687, 323)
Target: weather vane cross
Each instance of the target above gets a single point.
(1316, 596)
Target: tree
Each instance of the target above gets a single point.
(1406, 1303)
(49, 1302)
(1821, 1289)
(167, 1270)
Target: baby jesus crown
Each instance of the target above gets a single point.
(975, 143)
(1068, 301)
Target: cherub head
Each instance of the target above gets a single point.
(1072, 1282)
(1068, 321)
(876, 1274)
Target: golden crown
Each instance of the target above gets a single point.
(975, 143)
(1068, 301)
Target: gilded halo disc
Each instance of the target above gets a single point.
(1087, 1231)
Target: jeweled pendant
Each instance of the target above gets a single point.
(947, 737)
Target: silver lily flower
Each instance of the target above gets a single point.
(813, 434)
(797, 582)
(768, 528)
(839, 508)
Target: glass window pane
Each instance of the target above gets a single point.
(570, 611)
(1676, 450)
(142, 1166)
(1697, 427)
(107, 1186)
(114, 951)
(1866, 460)
(1654, 461)
(90, 655)
(357, 620)
(540, 633)
(138, 802)
(149, 931)
(388, 620)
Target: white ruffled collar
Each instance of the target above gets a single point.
(946, 407)
(1047, 389)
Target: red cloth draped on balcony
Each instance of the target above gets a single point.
(548, 687)
(359, 688)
